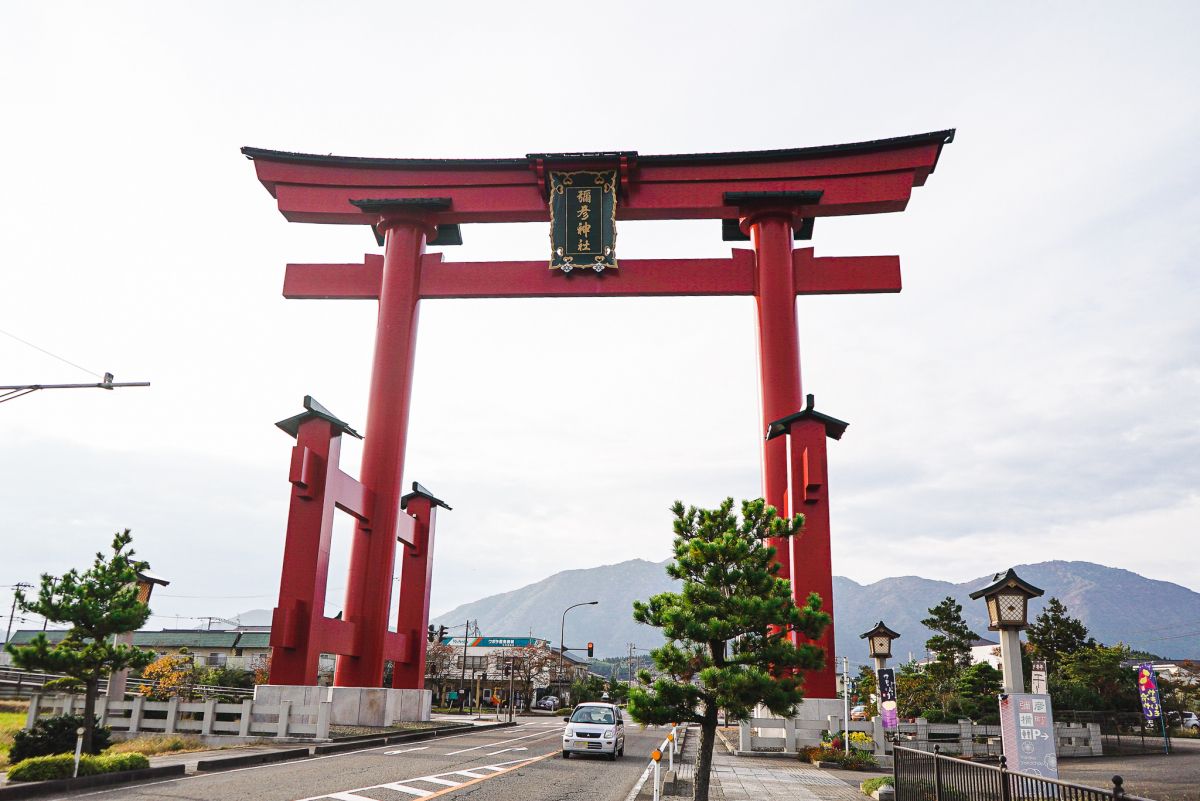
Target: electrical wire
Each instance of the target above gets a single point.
(52, 355)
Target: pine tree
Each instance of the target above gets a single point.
(97, 604)
(950, 646)
(728, 630)
(1055, 634)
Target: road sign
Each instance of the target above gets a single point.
(1039, 677)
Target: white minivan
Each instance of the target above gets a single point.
(595, 728)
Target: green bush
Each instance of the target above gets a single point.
(55, 735)
(62, 766)
(871, 785)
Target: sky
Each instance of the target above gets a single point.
(1032, 394)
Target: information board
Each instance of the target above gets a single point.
(1027, 730)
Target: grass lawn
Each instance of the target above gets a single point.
(10, 723)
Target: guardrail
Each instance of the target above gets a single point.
(16, 683)
(933, 776)
(668, 745)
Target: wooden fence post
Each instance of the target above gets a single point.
(172, 714)
(247, 717)
(210, 714)
(324, 709)
(135, 714)
(35, 701)
(285, 711)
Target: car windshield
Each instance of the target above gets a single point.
(592, 714)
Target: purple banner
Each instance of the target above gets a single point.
(1148, 691)
(889, 717)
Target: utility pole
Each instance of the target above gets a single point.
(20, 585)
(463, 681)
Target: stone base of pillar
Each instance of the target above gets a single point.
(354, 706)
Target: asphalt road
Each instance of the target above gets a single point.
(522, 762)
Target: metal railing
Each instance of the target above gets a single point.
(666, 746)
(925, 776)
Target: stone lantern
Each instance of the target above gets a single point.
(1007, 599)
(879, 642)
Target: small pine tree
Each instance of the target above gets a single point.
(1055, 634)
(97, 604)
(729, 629)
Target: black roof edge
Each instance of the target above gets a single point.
(834, 428)
(1004, 579)
(943, 137)
(314, 409)
(385, 203)
(880, 628)
(420, 492)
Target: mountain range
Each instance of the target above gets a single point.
(1116, 605)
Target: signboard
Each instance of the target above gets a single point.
(1039, 677)
(888, 713)
(583, 220)
(1148, 690)
(1027, 730)
(452, 695)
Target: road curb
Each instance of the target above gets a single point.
(33, 789)
(226, 763)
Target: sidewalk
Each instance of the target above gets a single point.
(742, 778)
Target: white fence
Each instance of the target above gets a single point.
(248, 719)
(764, 735)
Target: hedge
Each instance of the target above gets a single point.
(62, 766)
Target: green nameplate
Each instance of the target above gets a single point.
(583, 217)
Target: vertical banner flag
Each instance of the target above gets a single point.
(1027, 731)
(1039, 677)
(886, 682)
(583, 220)
(1148, 690)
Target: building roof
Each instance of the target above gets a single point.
(254, 639)
(25, 636)
(185, 639)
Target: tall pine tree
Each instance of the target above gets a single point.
(950, 646)
(97, 604)
(1055, 634)
(728, 629)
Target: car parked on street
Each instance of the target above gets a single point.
(548, 702)
(595, 728)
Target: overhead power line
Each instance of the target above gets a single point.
(48, 353)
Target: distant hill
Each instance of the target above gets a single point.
(1116, 605)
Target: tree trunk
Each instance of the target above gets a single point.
(89, 712)
(708, 737)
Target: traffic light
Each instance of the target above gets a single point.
(591, 648)
(432, 634)
(441, 633)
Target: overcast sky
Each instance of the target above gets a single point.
(1033, 394)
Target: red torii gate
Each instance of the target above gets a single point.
(767, 197)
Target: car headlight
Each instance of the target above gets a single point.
(609, 732)
(570, 732)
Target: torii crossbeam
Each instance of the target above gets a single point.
(768, 198)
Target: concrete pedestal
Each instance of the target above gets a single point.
(354, 706)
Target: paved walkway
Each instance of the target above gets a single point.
(739, 778)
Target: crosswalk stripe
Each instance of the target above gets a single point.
(435, 780)
(404, 788)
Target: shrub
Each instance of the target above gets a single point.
(55, 735)
(871, 785)
(62, 766)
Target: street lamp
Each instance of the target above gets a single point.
(562, 632)
(879, 642)
(1007, 600)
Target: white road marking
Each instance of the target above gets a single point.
(502, 750)
(404, 788)
(404, 785)
(501, 742)
(406, 750)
